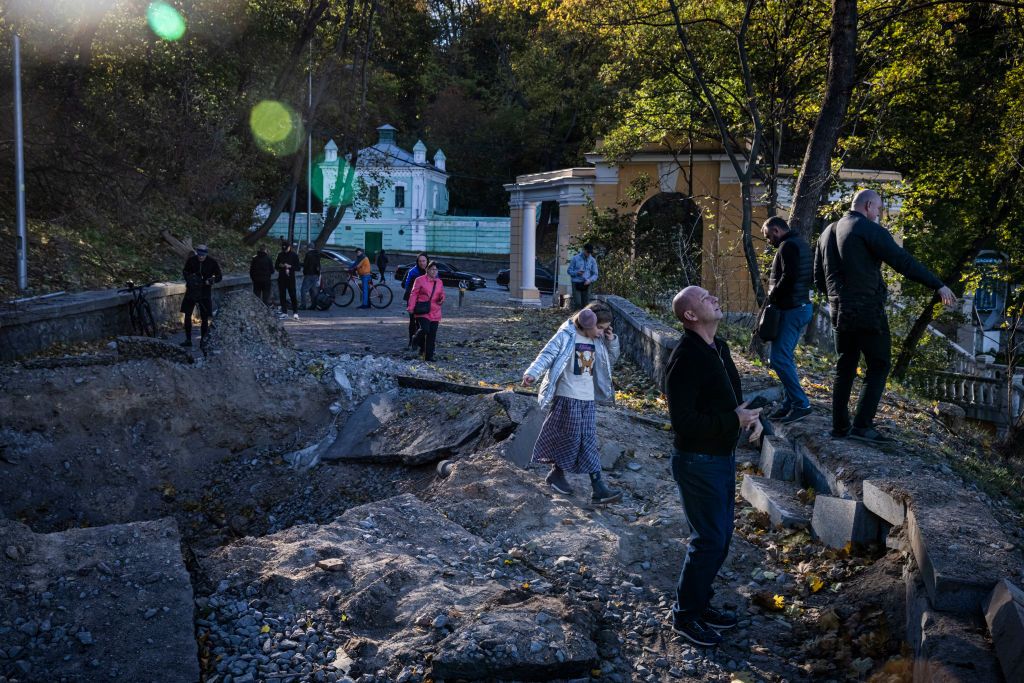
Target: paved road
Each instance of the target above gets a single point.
(384, 331)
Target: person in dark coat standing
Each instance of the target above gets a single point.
(382, 263)
(706, 408)
(848, 268)
(789, 287)
(261, 272)
(201, 272)
(410, 278)
(310, 275)
(287, 265)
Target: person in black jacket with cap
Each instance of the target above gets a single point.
(287, 265)
(707, 413)
(201, 272)
(848, 268)
(789, 287)
(261, 272)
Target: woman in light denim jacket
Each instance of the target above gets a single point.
(578, 361)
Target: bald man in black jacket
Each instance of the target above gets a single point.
(707, 413)
(848, 268)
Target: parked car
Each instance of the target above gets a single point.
(449, 276)
(336, 257)
(542, 278)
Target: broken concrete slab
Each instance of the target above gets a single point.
(517, 406)
(778, 499)
(409, 426)
(838, 466)
(431, 384)
(1004, 614)
(107, 603)
(841, 521)
(958, 544)
(885, 499)
(778, 459)
(948, 648)
(517, 642)
(518, 448)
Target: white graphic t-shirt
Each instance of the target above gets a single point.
(577, 380)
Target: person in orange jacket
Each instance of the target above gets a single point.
(363, 270)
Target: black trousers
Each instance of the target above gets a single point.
(261, 288)
(426, 338)
(287, 285)
(205, 310)
(414, 327)
(876, 347)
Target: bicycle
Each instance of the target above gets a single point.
(345, 291)
(139, 311)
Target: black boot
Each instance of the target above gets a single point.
(556, 480)
(603, 494)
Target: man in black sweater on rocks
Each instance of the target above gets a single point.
(789, 287)
(287, 265)
(261, 272)
(201, 272)
(848, 268)
(707, 413)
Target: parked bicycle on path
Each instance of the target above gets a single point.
(345, 291)
(139, 311)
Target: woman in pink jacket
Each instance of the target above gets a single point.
(425, 303)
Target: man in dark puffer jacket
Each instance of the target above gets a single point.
(848, 268)
(789, 287)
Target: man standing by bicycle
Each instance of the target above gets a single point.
(363, 270)
(201, 272)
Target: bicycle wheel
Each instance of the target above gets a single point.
(342, 294)
(380, 296)
(147, 324)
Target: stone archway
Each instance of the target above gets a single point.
(670, 230)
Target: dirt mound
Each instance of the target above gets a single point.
(249, 331)
(112, 442)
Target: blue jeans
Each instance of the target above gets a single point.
(707, 485)
(792, 323)
(365, 279)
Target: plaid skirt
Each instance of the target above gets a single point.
(568, 437)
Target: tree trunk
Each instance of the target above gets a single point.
(817, 164)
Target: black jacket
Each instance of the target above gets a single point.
(200, 276)
(790, 281)
(287, 258)
(703, 391)
(848, 267)
(261, 269)
(311, 263)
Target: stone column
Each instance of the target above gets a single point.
(524, 288)
(529, 247)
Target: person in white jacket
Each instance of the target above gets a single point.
(578, 361)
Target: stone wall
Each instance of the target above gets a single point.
(645, 340)
(86, 316)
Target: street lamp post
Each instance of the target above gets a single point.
(19, 166)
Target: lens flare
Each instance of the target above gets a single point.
(276, 127)
(165, 21)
